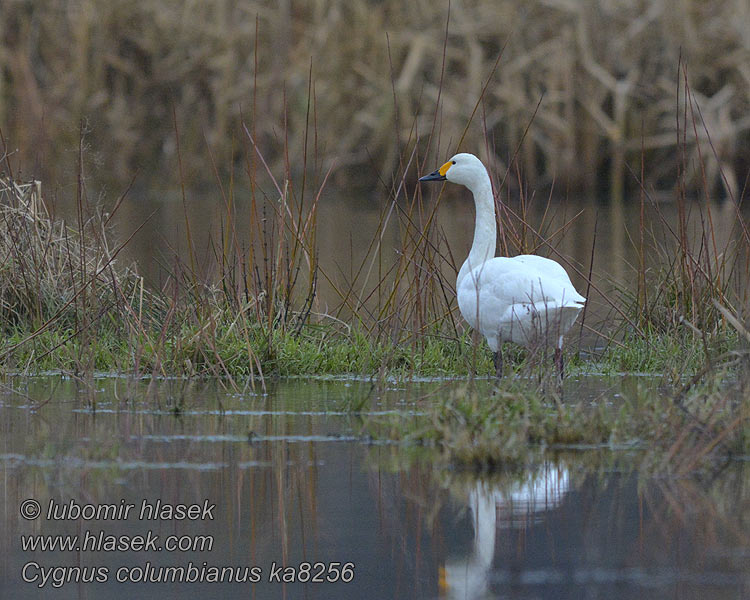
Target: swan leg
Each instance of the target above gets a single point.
(498, 359)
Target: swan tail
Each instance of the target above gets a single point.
(540, 323)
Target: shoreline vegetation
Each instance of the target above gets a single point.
(251, 311)
(68, 306)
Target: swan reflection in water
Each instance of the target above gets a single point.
(493, 506)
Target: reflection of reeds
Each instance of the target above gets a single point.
(267, 493)
(605, 72)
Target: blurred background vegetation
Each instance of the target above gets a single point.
(605, 75)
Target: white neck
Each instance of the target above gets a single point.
(485, 235)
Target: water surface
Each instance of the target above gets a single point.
(294, 477)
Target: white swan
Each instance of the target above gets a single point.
(526, 299)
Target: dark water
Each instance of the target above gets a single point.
(291, 477)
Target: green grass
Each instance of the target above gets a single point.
(323, 349)
(675, 354)
(315, 350)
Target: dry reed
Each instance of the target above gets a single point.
(603, 70)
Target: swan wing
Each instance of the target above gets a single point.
(524, 278)
(544, 267)
(518, 299)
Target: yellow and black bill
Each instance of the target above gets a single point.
(434, 176)
(438, 175)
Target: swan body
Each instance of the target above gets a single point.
(526, 299)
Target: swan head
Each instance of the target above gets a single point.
(463, 168)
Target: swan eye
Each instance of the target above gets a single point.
(453, 162)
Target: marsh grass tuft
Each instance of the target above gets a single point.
(61, 292)
(676, 432)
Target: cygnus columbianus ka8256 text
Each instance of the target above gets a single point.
(525, 299)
